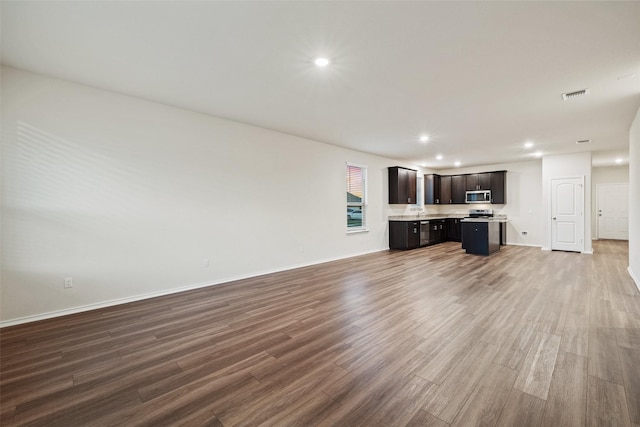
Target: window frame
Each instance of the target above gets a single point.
(364, 202)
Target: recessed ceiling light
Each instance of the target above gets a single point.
(321, 62)
(424, 138)
(439, 157)
(457, 163)
(618, 160)
(528, 144)
(538, 154)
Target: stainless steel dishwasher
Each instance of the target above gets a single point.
(424, 233)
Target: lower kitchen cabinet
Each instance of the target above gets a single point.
(404, 234)
(454, 230)
(413, 234)
(437, 231)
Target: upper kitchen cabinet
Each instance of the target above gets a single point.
(479, 181)
(432, 190)
(445, 190)
(458, 189)
(498, 190)
(494, 181)
(402, 186)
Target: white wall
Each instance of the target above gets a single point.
(634, 199)
(524, 200)
(129, 197)
(566, 166)
(604, 175)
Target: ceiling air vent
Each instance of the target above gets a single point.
(583, 141)
(576, 94)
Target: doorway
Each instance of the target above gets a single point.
(567, 214)
(613, 211)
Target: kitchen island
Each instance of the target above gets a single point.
(481, 236)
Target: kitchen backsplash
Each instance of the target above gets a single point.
(393, 210)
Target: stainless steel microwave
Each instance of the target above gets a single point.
(480, 196)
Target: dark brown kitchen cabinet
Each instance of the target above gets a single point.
(454, 230)
(445, 190)
(432, 189)
(498, 190)
(437, 231)
(481, 238)
(402, 186)
(404, 234)
(471, 182)
(479, 181)
(458, 189)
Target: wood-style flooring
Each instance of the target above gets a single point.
(429, 337)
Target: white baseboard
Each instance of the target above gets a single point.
(110, 303)
(635, 278)
(583, 252)
(102, 304)
(523, 244)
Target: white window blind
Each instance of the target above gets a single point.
(356, 197)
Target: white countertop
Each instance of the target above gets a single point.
(424, 217)
(494, 219)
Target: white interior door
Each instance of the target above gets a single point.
(567, 214)
(613, 211)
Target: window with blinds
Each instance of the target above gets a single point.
(356, 197)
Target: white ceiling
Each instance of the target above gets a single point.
(480, 78)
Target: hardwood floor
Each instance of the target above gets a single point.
(429, 337)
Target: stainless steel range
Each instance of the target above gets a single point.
(480, 213)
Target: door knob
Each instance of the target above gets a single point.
(554, 218)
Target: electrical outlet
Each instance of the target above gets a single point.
(68, 282)
(205, 262)
(524, 233)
